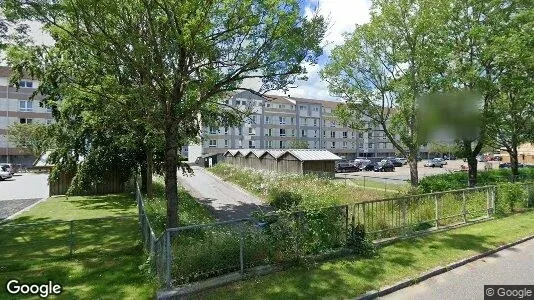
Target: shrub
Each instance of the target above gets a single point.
(358, 242)
(509, 194)
(284, 199)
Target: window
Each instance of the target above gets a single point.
(282, 106)
(292, 132)
(314, 122)
(225, 130)
(267, 120)
(213, 144)
(240, 130)
(370, 145)
(302, 107)
(213, 130)
(282, 120)
(332, 123)
(267, 104)
(25, 121)
(345, 134)
(360, 135)
(302, 121)
(315, 108)
(269, 132)
(25, 105)
(324, 133)
(237, 102)
(251, 144)
(26, 84)
(344, 145)
(225, 143)
(253, 119)
(251, 131)
(292, 120)
(269, 144)
(303, 133)
(333, 134)
(333, 144)
(282, 132)
(360, 146)
(370, 134)
(281, 144)
(315, 133)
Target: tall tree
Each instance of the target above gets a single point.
(192, 52)
(32, 137)
(384, 66)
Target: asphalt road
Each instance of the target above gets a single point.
(21, 191)
(225, 200)
(512, 266)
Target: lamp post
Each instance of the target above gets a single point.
(7, 122)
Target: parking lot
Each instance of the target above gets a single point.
(20, 191)
(402, 174)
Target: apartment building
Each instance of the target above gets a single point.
(278, 120)
(15, 107)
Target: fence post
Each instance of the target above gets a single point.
(464, 207)
(71, 237)
(488, 202)
(436, 204)
(241, 249)
(404, 209)
(363, 181)
(168, 258)
(385, 185)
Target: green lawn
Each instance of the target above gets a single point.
(349, 277)
(106, 252)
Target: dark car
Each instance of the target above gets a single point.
(368, 167)
(509, 165)
(396, 162)
(344, 166)
(386, 166)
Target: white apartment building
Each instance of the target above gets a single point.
(15, 107)
(277, 120)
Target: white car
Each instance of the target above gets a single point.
(443, 162)
(9, 168)
(4, 173)
(402, 160)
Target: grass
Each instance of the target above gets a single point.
(314, 191)
(190, 212)
(349, 277)
(107, 253)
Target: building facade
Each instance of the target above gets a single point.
(277, 121)
(16, 107)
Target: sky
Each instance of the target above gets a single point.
(343, 15)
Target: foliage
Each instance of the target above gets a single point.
(314, 192)
(283, 199)
(509, 195)
(33, 137)
(298, 144)
(357, 241)
(352, 276)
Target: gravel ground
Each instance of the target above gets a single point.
(9, 207)
(21, 191)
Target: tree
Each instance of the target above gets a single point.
(298, 144)
(191, 52)
(383, 68)
(32, 137)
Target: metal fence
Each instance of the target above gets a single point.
(192, 253)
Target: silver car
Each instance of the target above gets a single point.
(4, 173)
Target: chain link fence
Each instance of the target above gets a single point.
(192, 253)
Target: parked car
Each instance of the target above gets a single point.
(434, 163)
(509, 165)
(345, 166)
(443, 161)
(368, 167)
(4, 173)
(9, 168)
(386, 166)
(402, 160)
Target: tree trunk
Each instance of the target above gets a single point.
(143, 177)
(514, 161)
(149, 173)
(171, 169)
(472, 173)
(414, 175)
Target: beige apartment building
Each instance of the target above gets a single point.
(15, 107)
(277, 120)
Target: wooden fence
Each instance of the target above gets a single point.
(111, 184)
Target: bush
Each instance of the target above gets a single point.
(358, 243)
(284, 199)
(509, 194)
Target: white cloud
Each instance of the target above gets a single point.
(343, 15)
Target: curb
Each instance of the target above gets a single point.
(23, 210)
(437, 271)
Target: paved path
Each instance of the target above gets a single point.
(21, 191)
(510, 266)
(226, 201)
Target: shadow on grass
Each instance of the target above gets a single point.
(119, 202)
